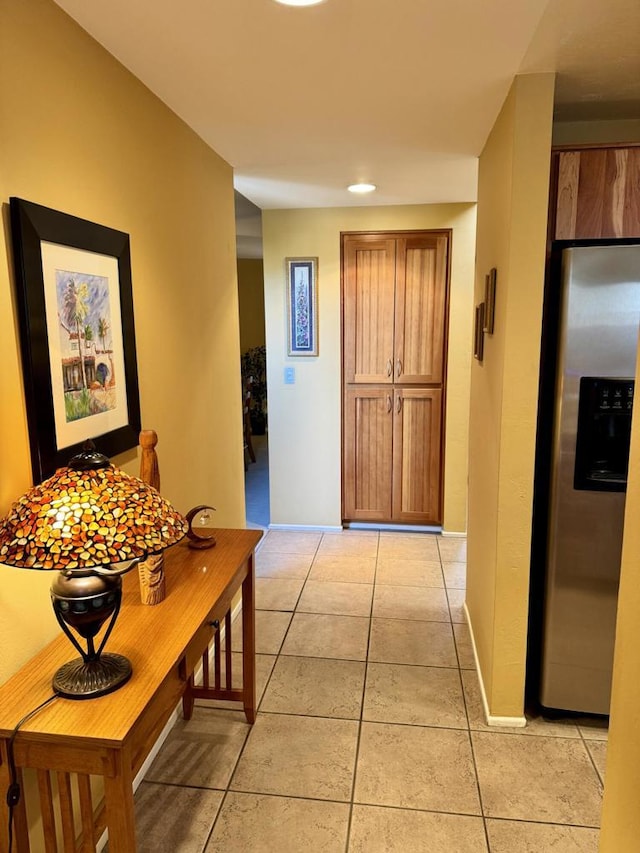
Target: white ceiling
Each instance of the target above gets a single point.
(303, 101)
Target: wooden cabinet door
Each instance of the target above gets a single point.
(369, 284)
(417, 453)
(596, 193)
(368, 431)
(420, 309)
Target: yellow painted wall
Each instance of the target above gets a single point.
(512, 217)
(251, 298)
(78, 133)
(620, 816)
(304, 418)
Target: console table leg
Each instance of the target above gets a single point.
(188, 700)
(20, 826)
(118, 798)
(249, 643)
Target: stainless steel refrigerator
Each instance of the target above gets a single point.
(596, 335)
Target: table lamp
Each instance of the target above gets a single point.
(92, 523)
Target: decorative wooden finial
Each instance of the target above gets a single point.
(149, 470)
(151, 571)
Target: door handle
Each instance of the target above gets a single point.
(398, 368)
(389, 367)
(399, 406)
(389, 404)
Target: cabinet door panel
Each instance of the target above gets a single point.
(420, 308)
(417, 447)
(368, 420)
(369, 282)
(596, 193)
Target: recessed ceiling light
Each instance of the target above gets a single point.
(299, 2)
(362, 188)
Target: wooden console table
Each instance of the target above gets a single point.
(111, 736)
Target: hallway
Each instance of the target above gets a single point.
(256, 484)
(370, 736)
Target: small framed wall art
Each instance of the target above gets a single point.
(490, 301)
(73, 280)
(302, 306)
(478, 332)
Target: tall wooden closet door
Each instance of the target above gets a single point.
(421, 286)
(369, 285)
(417, 448)
(395, 307)
(368, 421)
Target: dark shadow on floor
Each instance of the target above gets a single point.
(256, 484)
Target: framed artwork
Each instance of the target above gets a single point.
(478, 333)
(73, 280)
(490, 300)
(302, 306)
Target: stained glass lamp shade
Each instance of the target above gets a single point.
(91, 522)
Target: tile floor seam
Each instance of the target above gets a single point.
(591, 758)
(473, 755)
(417, 725)
(191, 787)
(215, 821)
(308, 613)
(228, 789)
(426, 811)
(477, 728)
(279, 796)
(362, 701)
(415, 619)
(477, 775)
(446, 591)
(529, 820)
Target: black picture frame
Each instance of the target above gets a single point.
(302, 306)
(37, 231)
(478, 332)
(490, 300)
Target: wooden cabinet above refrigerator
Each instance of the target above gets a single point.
(595, 192)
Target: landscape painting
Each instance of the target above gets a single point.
(85, 343)
(75, 303)
(86, 347)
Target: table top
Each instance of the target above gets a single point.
(154, 638)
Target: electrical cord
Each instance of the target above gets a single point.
(13, 792)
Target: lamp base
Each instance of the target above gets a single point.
(81, 679)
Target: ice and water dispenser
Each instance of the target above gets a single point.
(603, 434)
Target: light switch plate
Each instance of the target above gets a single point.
(289, 376)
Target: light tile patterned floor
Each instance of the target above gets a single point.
(370, 735)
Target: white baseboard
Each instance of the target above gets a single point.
(492, 719)
(321, 528)
(366, 525)
(399, 528)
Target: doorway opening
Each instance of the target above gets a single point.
(253, 361)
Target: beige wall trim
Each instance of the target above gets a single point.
(454, 534)
(492, 720)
